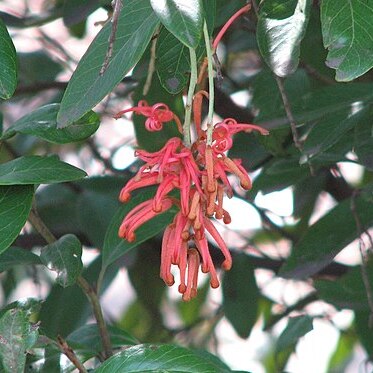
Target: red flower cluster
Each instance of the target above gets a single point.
(200, 173)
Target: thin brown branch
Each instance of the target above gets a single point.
(92, 296)
(314, 73)
(68, 351)
(363, 253)
(117, 6)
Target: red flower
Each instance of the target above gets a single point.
(156, 114)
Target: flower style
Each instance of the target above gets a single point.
(156, 115)
(200, 174)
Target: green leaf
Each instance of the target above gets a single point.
(29, 67)
(347, 30)
(160, 358)
(15, 206)
(343, 353)
(279, 33)
(35, 169)
(297, 327)
(172, 62)
(87, 87)
(29, 306)
(87, 340)
(347, 291)
(97, 204)
(8, 64)
(182, 18)
(66, 309)
(16, 256)
(17, 336)
(42, 123)
(115, 247)
(240, 295)
(64, 257)
(326, 238)
(364, 332)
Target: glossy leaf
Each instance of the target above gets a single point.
(326, 238)
(15, 256)
(115, 247)
(297, 327)
(17, 336)
(240, 295)
(159, 358)
(347, 33)
(8, 64)
(64, 257)
(280, 31)
(15, 206)
(87, 87)
(42, 123)
(182, 18)
(35, 169)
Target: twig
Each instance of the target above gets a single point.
(297, 142)
(312, 297)
(313, 72)
(114, 20)
(151, 67)
(68, 351)
(364, 257)
(92, 296)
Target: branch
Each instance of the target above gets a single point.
(116, 12)
(92, 296)
(68, 351)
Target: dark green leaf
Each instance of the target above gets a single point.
(87, 340)
(64, 257)
(346, 292)
(363, 141)
(297, 327)
(17, 336)
(115, 247)
(364, 332)
(75, 11)
(240, 295)
(347, 32)
(35, 169)
(159, 358)
(279, 33)
(326, 238)
(42, 123)
(172, 62)
(30, 71)
(16, 256)
(8, 64)
(182, 18)
(87, 87)
(15, 206)
(95, 206)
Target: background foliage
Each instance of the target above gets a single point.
(300, 68)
